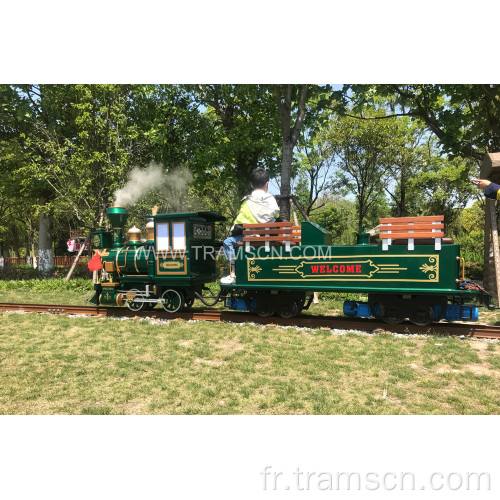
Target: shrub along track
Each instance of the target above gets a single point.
(442, 328)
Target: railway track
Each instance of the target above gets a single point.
(442, 328)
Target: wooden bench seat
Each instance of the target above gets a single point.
(411, 229)
(269, 234)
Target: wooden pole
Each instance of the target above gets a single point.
(294, 213)
(490, 169)
(494, 238)
(82, 248)
(488, 281)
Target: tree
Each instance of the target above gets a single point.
(290, 136)
(339, 217)
(15, 191)
(239, 133)
(315, 160)
(407, 152)
(77, 155)
(363, 160)
(465, 118)
(442, 185)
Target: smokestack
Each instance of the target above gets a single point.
(117, 217)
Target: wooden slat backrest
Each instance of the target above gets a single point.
(405, 220)
(289, 230)
(271, 232)
(412, 228)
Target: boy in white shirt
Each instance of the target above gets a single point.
(260, 206)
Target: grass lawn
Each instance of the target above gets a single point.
(84, 365)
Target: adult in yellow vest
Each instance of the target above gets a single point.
(260, 206)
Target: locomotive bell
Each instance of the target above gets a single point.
(117, 217)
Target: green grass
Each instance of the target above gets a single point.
(102, 366)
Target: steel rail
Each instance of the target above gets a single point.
(304, 321)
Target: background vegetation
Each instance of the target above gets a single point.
(350, 154)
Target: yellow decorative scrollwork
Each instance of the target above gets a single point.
(253, 269)
(431, 269)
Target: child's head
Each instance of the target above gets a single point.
(259, 178)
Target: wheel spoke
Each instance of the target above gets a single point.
(174, 300)
(131, 304)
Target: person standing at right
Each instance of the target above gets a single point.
(491, 190)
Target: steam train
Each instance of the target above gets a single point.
(278, 267)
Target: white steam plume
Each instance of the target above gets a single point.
(139, 184)
(174, 185)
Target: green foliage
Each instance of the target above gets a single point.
(241, 131)
(363, 159)
(338, 216)
(474, 270)
(48, 285)
(28, 277)
(465, 118)
(65, 149)
(443, 187)
(468, 231)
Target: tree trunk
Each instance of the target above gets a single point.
(45, 253)
(402, 211)
(489, 274)
(27, 246)
(286, 166)
(290, 137)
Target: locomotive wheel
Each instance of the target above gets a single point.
(264, 310)
(132, 305)
(189, 303)
(288, 309)
(422, 316)
(174, 300)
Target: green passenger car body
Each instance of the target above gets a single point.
(398, 282)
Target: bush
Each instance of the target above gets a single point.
(20, 272)
(474, 270)
(221, 266)
(24, 272)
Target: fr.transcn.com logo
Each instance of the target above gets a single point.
(300, 480)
